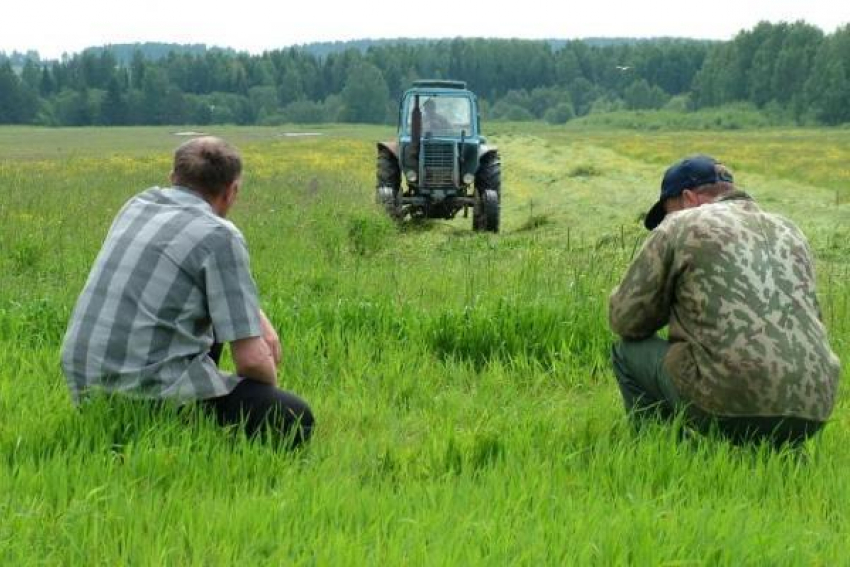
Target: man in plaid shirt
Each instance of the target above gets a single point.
(170, 284)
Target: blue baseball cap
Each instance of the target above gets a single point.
(690, 173)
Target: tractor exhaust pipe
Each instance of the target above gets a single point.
(415, 129)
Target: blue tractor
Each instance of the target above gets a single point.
(440, 163)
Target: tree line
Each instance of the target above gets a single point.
(789, 68)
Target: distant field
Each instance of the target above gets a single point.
(466, 411)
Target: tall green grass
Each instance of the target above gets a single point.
(466, 411)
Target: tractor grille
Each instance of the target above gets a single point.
(438, 165)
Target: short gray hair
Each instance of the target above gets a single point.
(207, 165)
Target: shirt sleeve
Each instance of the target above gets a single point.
(231, 292)
(640, 305)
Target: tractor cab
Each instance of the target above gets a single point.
(442, 115)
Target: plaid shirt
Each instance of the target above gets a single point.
(171, 278)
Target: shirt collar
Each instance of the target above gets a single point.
(734, 195)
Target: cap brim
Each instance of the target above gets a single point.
(655, 215)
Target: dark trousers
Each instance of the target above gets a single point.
(649, 392)
(260, 408)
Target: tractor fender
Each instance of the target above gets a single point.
(485, 150)
(391, 147)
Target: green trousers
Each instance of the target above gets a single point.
(646, 387)
(648, 392)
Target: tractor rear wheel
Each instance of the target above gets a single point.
(387, 198)
(388, 173)
(491, 211)
(485, 215)
(489, 174)
(388, 179)
(488, 188)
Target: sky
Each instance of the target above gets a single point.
(55, 27)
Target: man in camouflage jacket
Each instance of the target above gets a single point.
(747, 353)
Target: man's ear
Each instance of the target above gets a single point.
(690, 198)
(231, 191)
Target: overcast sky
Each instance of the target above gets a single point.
(55, 26)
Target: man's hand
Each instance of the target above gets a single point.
(253, 359)
(271, 338)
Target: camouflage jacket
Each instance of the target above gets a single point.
(736, 286)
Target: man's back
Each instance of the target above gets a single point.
(143, 323)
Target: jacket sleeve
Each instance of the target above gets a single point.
(640, 305)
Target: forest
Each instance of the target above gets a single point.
(792, 71)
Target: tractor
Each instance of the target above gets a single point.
(439, 164)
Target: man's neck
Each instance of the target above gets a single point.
(217, 204)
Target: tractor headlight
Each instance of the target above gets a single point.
(412, 176)
(468, 178)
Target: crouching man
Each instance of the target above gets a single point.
(747, 354)
(170, 284)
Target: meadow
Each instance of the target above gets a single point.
(466, 410)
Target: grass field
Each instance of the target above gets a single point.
(466, 410)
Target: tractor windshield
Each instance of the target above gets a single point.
(443, 115)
